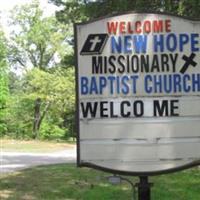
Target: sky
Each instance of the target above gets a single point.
(6, 5)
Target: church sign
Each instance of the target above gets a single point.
(138, 93)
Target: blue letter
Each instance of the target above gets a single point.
(186, 87)
(116, 46)
(194, 42)
(134, 83)
(125, 87)
(93, 86)
(112, 85)
(171, 44)
(158, 42)
(147, 80)
(102, 84)
(184, 38)
(127, 44)
(84, 85)
(140, 42)
(195, 82)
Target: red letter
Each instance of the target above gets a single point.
(122, 27)
(138, 27)
(112, 27)
(147, 26)
(157, 26)
(168, 25)
(130, 31)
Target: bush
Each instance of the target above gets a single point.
(19, 118)
(3, 129)
(51, 131)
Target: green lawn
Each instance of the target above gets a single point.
(33, 146)
(66, 182)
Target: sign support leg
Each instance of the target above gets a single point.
(144, 188)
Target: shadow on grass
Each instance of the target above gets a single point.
(59, 182)
(66, 182)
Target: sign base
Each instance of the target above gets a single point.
(144, 188)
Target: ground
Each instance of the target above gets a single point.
(16, 155)
(33, 146)
(67, 182)
(64, 181)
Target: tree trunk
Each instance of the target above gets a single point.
(36, 122)
(38, 117)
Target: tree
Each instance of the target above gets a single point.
(82, 10)
(55, 93)
(3, 82)
(36, 42)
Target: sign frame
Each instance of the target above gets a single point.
(77, 112)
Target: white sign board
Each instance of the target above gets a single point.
(138, 90)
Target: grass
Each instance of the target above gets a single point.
(66, 182)
(33, 146)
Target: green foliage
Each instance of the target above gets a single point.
(19, 117)
(3, 127)
(3, 84)
(44, 92)
(77, 11)
(3, 72)
(52, 132)
(188, 8)
(55, 89)
(37, 41)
